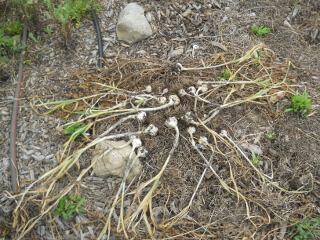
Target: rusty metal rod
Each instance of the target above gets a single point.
(14, 118)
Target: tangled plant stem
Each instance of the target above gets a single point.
(145, 203)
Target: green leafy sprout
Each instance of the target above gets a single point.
(75, 128)
(67, 11)
(11, 43)
(13, 28)
(306, 229)
(270, 136)
(68, 205)
(300, 104)
(140, 102)
(258, 57)
(8, 45)
(255, 159)
(225, 75)
(259, 31)
(70, 10)
(48, 30)
(37, 40)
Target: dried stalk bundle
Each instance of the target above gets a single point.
(129, 88)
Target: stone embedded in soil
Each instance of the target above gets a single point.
(177, 52)
(252, 147)
(38, 158)
(113, 163)
(132, 25)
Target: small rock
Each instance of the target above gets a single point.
(208, 174)
(42, 231)
(38, 157)
(159, 213)
(132, 25)
(186, 13)
(286, 138)
(295, 183)
(273, 152)
(5, 165)
(252, 147)
(149, 17)
(4, 112)
(29, 152)
(176, 52)
(32, 177)
(113, 163)
(25, 157)
(49, 156)
(127, 203)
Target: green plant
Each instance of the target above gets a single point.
(296, 1)
(27, 62)
(9, 42)
(75, 128)
(140, 102)
(37, 40)
(13, 28)
(68, 205)
(258, 57)
(8, 45)
(255, 159)
(300, 104)
(48, 30)
(270, 136)
(81, 9)
(68, 11)
(225, 75)
(27, 10)
(259, 31)
(306, 229)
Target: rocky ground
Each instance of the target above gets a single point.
(195, 34)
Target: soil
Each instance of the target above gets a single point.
(228, 201)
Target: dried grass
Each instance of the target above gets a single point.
(256, 80)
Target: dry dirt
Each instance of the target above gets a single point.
(257, 209)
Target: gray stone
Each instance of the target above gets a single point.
(132, 25)
(38, 158)
(252, 147)
(113, 163)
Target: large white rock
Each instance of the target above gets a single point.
(114, 162)
(132, 25)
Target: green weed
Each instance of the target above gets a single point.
(68, 205)
(300, 104)
(13, 28)
(306, 229)
(67, 12)
(37, 40)
(11, 43)
(27, 10)
(258, 57)
(270, 136)
(81, 9)
(259, 31)
(296, 1)
(48, 30)
(77, 128)
(225, 75)
(8, 45)
(255, 159)
(140, 102)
